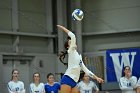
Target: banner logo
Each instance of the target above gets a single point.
(117, 59)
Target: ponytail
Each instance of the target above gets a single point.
(62, 56)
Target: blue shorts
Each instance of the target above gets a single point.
(68, 81)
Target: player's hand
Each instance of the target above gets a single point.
(100, 80)
(59, 26)
(129, 74)
(63, 28)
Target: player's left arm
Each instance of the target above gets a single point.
(122, 85)
(22, 88)
(84, 68)
(133, 81)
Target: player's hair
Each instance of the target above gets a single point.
(126, 67)
(82, 73)
(13, 72)
(63, 53)
(36, 73)
(50, 74)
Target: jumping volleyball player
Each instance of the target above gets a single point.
(75, 64)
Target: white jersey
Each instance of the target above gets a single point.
(87, 88)
(37, 89)
(16, 87)
(75, 63)
(138, 83)
(127, 85)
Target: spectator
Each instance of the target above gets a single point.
(36, 86)
(51, 86)
(87, 86)
(127, 82)
(14, 85)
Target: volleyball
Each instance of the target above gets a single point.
(77, 15)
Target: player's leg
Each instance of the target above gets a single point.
(67, 83)
(138, 90)
(65, 89)
(75, 90)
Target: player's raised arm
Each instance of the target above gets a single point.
(63, 28)
(70, 34)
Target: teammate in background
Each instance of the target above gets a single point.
(15, 86)
(36, 86)
(75, 64)
(51, 86)
(138, 86)
(87, 86)
(127, 82)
